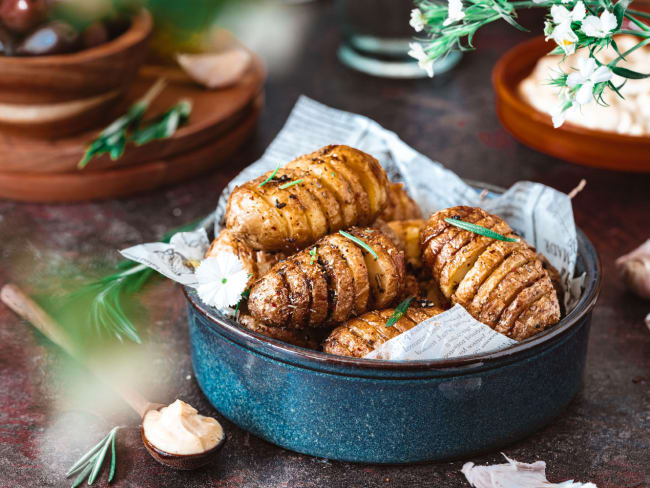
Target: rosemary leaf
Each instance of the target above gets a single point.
(360, 243)
(291, 183)
(313, 251)
(82, 476)
(478, 229)
(270, 177)
(84, 459)
(111, 472)
(165, 125)
(100, 458)
(399, 312)
(112, 140)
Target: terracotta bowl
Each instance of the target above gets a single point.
(66, 93)
(588, 147)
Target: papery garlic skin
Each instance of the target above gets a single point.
(634, 268)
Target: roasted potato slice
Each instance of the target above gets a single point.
(408, 232)
(301, 338)
(316, 194)
(400, 205)
(256, 262)
(496, 281)
(430, 290)
(540, 315)
(362, 335)
(276, 301)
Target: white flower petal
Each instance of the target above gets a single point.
(608, 21)
(565, 37)
(418, 20)
(560, 14)
(221, 280)
(454, 12)
(585, 93)
(578, 12)
(417, 51)
(586, 66)
(603, 73)
(591, 26)
(574, 79)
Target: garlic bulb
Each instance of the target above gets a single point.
(635, 270)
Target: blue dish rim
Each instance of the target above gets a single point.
(295, 354)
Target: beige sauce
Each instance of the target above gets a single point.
(179, 429)
(629, 116)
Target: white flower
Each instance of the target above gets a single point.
(561, 15)
(588, 74)
(564, 37)
(600, 27)
(417, 52)
(558, 114)
(221, 280)
(562, 33)
(418, 20)
(454, 12)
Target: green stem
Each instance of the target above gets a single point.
(622, 56)
(639, 13)
(637, 22)
(635, 33)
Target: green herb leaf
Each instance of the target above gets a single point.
(82, 476)
(111, 472)
(291, 183)
(91, 462)
(165, 125)
(112, 140)
(360, 243)
(244, 296)
(399, 312)
(312, 253)
(628, 73)
(84, 459)
(478, 229)
(270, 177)
(99, 460)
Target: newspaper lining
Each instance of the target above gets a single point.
(541, 215)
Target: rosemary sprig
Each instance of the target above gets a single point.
(271, 176)
(313, 252)
(113, 139)
(360, 243)
(399, 312)
(291, 183)
(164, 125)
(105, 312)
(90, 463)
(478, 229)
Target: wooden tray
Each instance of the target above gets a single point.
(214, 113)
(127, 180)
(588, 147)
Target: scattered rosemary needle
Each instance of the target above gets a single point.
(164, 125)
(291, 183)
(312, 253)
(360, 243)
(399, 312)
(90, 463)
(478, 229)
(271, 176)
(113, 139)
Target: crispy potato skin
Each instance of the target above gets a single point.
(329, 282)
(256, 262)
(400, 205)
(502, 284)
(362, 335)
(339, 187)
(301, 338)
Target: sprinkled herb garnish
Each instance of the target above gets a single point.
(399, 312)
(291, 183)
(360, 243)
(478, 229)
(90, 463)
(333, 174)
(270, 177)
(312, 253)
(244, 296)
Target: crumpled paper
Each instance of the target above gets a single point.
(541, 215)
(514, 474)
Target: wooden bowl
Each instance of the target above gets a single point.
(63, 94)
(533, 128)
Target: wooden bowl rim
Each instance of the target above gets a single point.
(138, 32)
(506, 87)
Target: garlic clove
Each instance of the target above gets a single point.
(216, 70)
(634, 268)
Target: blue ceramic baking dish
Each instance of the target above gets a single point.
(391, 411)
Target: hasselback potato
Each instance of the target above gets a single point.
(400, 206)
(296, 337)
(408, 232)
(256, 262)
(330, 281)
(362, 335)
(502, 284)
(316, 194)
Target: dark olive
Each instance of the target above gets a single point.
(52, 38)
(22, 15)
(7, 42)
(95, 34)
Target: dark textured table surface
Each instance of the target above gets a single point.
(50, 410)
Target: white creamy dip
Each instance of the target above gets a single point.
(629, 116)
(179, 429)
